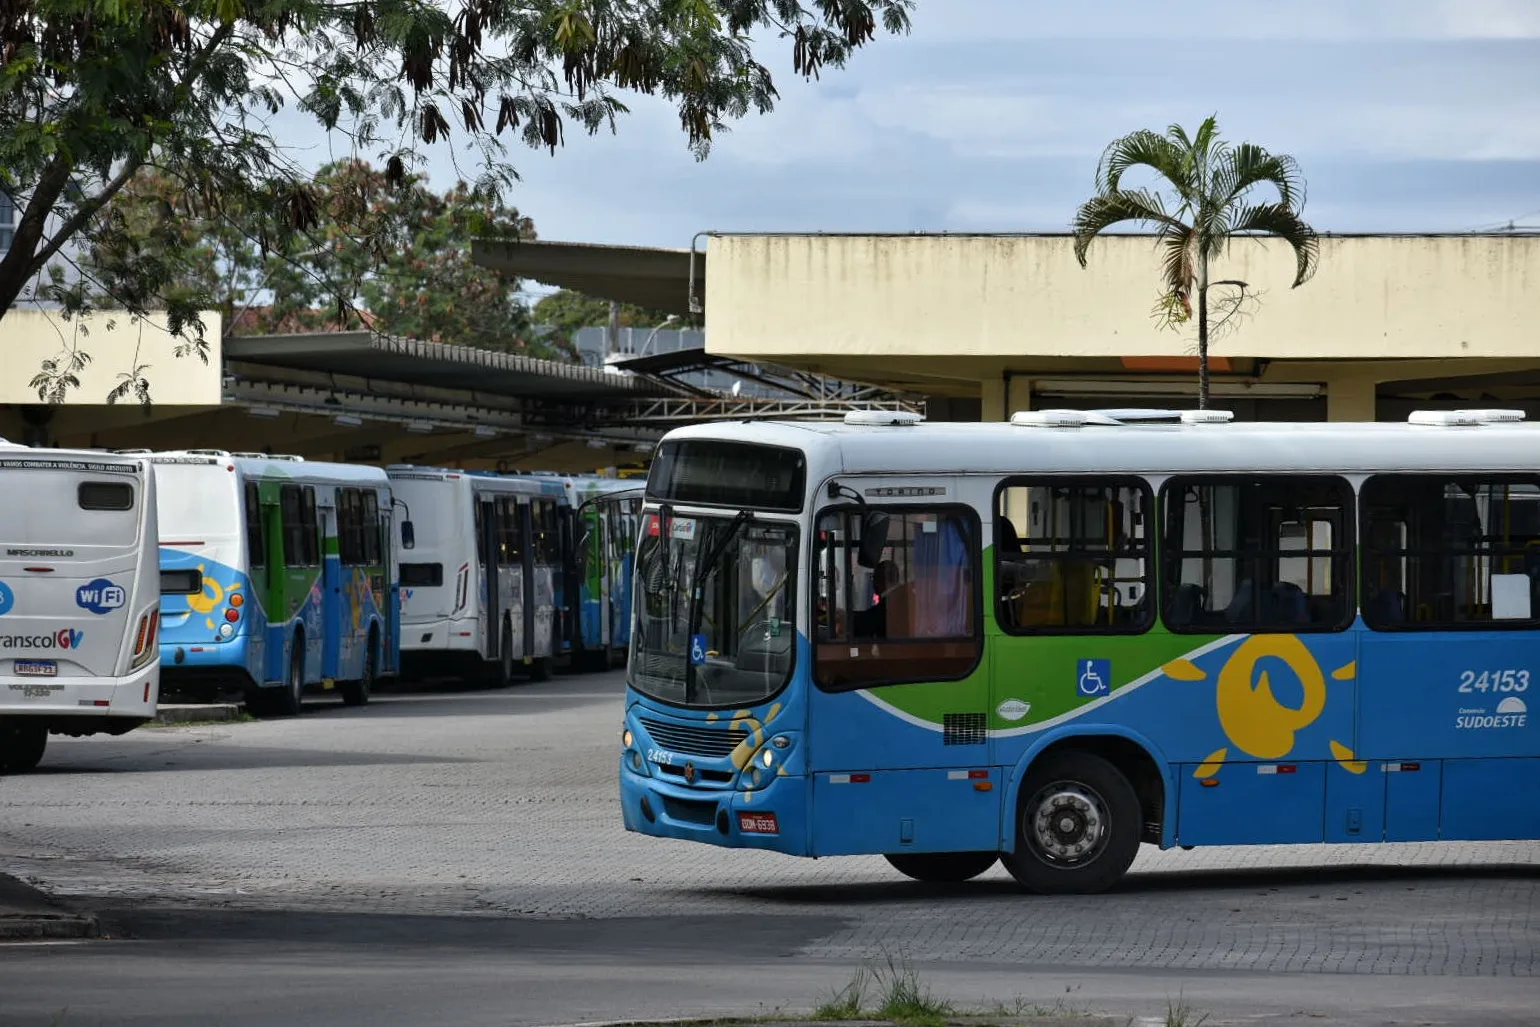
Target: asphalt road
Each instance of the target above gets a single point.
(457, 857)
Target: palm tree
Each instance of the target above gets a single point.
(1213, 184)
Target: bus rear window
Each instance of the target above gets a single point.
(422, 575)
(180, 583)
(105, 495)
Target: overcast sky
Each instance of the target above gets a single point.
(1406, 115)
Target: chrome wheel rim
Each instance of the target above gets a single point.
(1068, 824)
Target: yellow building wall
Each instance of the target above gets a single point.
(1374, 297)
(116, 344)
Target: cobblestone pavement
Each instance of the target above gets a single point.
(503, 803)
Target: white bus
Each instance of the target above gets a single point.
(79, 598)
(277, 577)
(455, 616)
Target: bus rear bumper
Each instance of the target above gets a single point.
(774, 817)
(84, 705)
(441, 635)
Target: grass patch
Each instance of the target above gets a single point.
(893, 992)
(1180, 1014)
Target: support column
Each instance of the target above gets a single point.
(993, 400)
(1351, 399)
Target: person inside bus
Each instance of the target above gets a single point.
(873, 621)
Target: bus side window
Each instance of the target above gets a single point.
(510, 552)
(293, 526)
(256, 544)
(912, 615)
(1072, 556)
(1443, 554)
(370, 529)
(1266, 553)
(312, 527)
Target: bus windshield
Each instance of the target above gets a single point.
(714, 624)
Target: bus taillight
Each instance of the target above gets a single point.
(144, 640)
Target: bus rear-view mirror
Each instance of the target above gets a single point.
(408, 535)
(874, 537)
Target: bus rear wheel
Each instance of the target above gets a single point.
(293, 698)
(1077, 826)
(21, 745)
(942, 867)
(356, 693)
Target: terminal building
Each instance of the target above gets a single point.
(981, 326)
(959, 327)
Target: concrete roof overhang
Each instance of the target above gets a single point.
(651, 277)
(366, 355)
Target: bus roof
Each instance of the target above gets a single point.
(1143, 448)
(255, 465)
(12, 452)
(486, 481)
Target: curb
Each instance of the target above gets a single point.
(196, 713)
(47, 927)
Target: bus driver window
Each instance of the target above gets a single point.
(900, 607)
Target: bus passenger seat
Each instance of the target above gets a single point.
(1287, 603)
(1240, 609)
(1186, 605)
(1387, 606)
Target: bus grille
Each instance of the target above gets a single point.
(696, 741)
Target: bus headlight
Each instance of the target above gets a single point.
(626, 739)
(767, 757)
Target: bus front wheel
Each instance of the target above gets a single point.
(942, 867)
(21, 745)
(1077, 826)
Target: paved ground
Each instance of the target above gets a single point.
(469, 844)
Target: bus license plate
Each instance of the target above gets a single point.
(36, 668)
(758, 823)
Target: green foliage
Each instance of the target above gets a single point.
(1209, 199)
(92, 92)
(566, 312)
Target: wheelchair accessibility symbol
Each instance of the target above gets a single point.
(697, 649)
(1095, 678)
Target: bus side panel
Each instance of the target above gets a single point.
(906, 811)
(1463, 698)
(1490, 800)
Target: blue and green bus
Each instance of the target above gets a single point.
(1047, 641)
(277, 577)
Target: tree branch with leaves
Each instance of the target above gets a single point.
(92, 92)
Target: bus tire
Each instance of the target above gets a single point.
(1077, 826)
(942, 867)
(21, 745)
(356, 693)
(292, 698)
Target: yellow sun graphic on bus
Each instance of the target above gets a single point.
(1253, 719)
(212, 595)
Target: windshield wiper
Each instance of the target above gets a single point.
(703, 570)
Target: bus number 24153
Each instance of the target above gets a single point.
(1494, 681)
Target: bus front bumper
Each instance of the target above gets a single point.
(773, 817)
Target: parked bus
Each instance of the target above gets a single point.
(1046, 641)
(78, 598)
(605, 512)
(456, 617)
(277, 577)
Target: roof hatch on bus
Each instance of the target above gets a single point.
(1458, 418)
